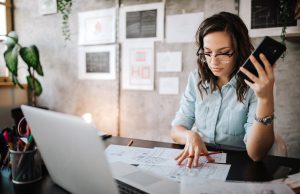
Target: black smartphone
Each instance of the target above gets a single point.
(271, 48)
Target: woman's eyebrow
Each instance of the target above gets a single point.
(218, 48)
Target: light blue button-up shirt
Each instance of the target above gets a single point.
(219, 117)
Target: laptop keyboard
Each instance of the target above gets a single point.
(128, 189)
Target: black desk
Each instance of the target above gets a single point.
(242, 169)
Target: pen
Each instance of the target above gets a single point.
(105, 136)
(8, 139)
(210, 153)
(130, 143)
(20, 145)
(26, 147)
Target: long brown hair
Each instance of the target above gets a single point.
(231, 23)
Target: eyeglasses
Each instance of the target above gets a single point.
(221, 57)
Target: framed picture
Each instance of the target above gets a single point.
(47, 7)
(262, 17)
(97, 62)
(138, 65)
(142, 22)
(97, 27)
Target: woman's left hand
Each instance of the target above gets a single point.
(264, 83)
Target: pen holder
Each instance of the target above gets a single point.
(26, 166)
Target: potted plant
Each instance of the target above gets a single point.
(30, 56)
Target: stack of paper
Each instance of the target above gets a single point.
(196, 185)
(293, 181)
(161, 161)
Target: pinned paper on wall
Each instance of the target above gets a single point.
(138, 66)
(168, 85)
(183, 27)
(169, 62)
(47, 7)
(144, 21)
(97, 27)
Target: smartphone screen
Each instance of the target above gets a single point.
(271, 48)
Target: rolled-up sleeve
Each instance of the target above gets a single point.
(185, 116)
(250, 115)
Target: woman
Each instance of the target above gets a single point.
(227, 111)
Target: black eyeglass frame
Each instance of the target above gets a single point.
(199, 53)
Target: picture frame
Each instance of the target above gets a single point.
(132, 24)
(245, 8)
(138, 65)
(97, 27)
(97, 62)
(47, 7)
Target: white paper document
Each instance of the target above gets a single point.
(161, 161)
(127, 154)
(169, 62)
(168, 153)
(196, 185)
(293, 180)
(183, 27)
(176, 172)
(168, 85)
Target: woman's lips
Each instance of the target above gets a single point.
(217, 69)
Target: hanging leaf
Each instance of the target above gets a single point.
(13, 35)
(65, 8)
(35, 85)
(11, 59)
(16, 81)
(39, 70)
(11, 39)
(31, 56)
(9, 42)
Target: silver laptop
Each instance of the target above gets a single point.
(74, 156)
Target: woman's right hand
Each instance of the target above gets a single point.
(194, 146)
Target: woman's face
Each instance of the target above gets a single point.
(219, 53)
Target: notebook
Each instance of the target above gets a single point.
(74, 156)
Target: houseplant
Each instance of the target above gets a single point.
(65, 7)
(30, 56)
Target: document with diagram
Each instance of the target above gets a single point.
(161, 162)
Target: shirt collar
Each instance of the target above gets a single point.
(232, 82)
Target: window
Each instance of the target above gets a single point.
(6, 16)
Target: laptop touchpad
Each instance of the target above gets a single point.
(142, 178)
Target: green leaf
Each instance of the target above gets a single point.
(11, 39)
(31, 56)
(13, 35)
(39, 70)
(11, 59)
(35, 85)
(9, 42)
(16, 81)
